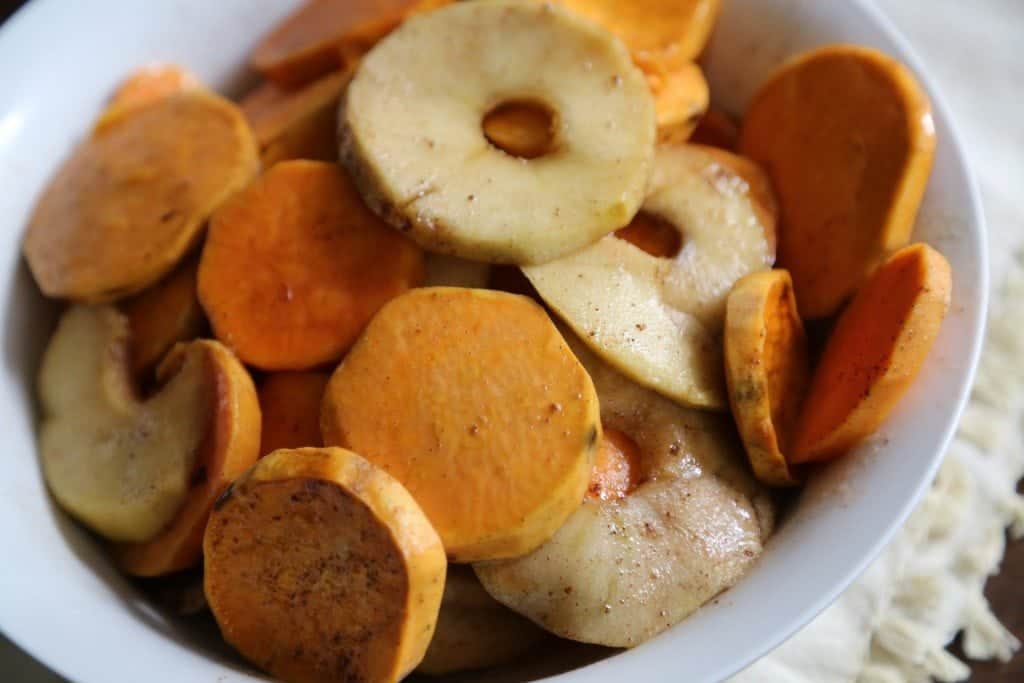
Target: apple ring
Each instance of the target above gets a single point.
(621, 571)
(412, 134)
(657, 319)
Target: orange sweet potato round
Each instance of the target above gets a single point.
(147, 84)
(322, 35)
(659, 33)
(846, 135)
(132, 199)
(295, 266)
(321, 568)
(767, 369)
(473, 401)
(299, 124)
(875, 352)
(163, 315)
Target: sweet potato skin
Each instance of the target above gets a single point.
(874, 353)
(295, 266)
(846, 135)
(231, 446)
(356, 598)
(767, 370)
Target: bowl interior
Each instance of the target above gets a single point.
(62, 601)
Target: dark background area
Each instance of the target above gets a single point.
(1005, 591)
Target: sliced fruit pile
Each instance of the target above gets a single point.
(426, 349)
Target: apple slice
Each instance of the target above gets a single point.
(657, 317)
(127, 468)
(475, 631)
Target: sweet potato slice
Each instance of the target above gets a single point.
(131, 200)
(163, 315)
(290, 404)
(475, 631)
(324, 34)
(680, 101)
(295, 266)
(767, 370)
(660, 33)
(230, 446)
(321, 567)
(473, 401)
(876, 350)
(147, 84)
(846, 135)
(716, 129)
(298, 124)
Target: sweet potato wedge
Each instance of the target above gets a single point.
(846, 135)
(163, 315)
(290, 405)
(322, 35)
(321, 567)
(230, 446)
(296, 124)
(874, 353)
(132, 199)
(295, 266)
(767, 370)
(476, 387)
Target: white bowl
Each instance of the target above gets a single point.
(62, 601)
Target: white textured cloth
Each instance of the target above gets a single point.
(894, 623)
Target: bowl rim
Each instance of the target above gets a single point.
(974, 216)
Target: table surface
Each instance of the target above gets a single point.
(1003, 592)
